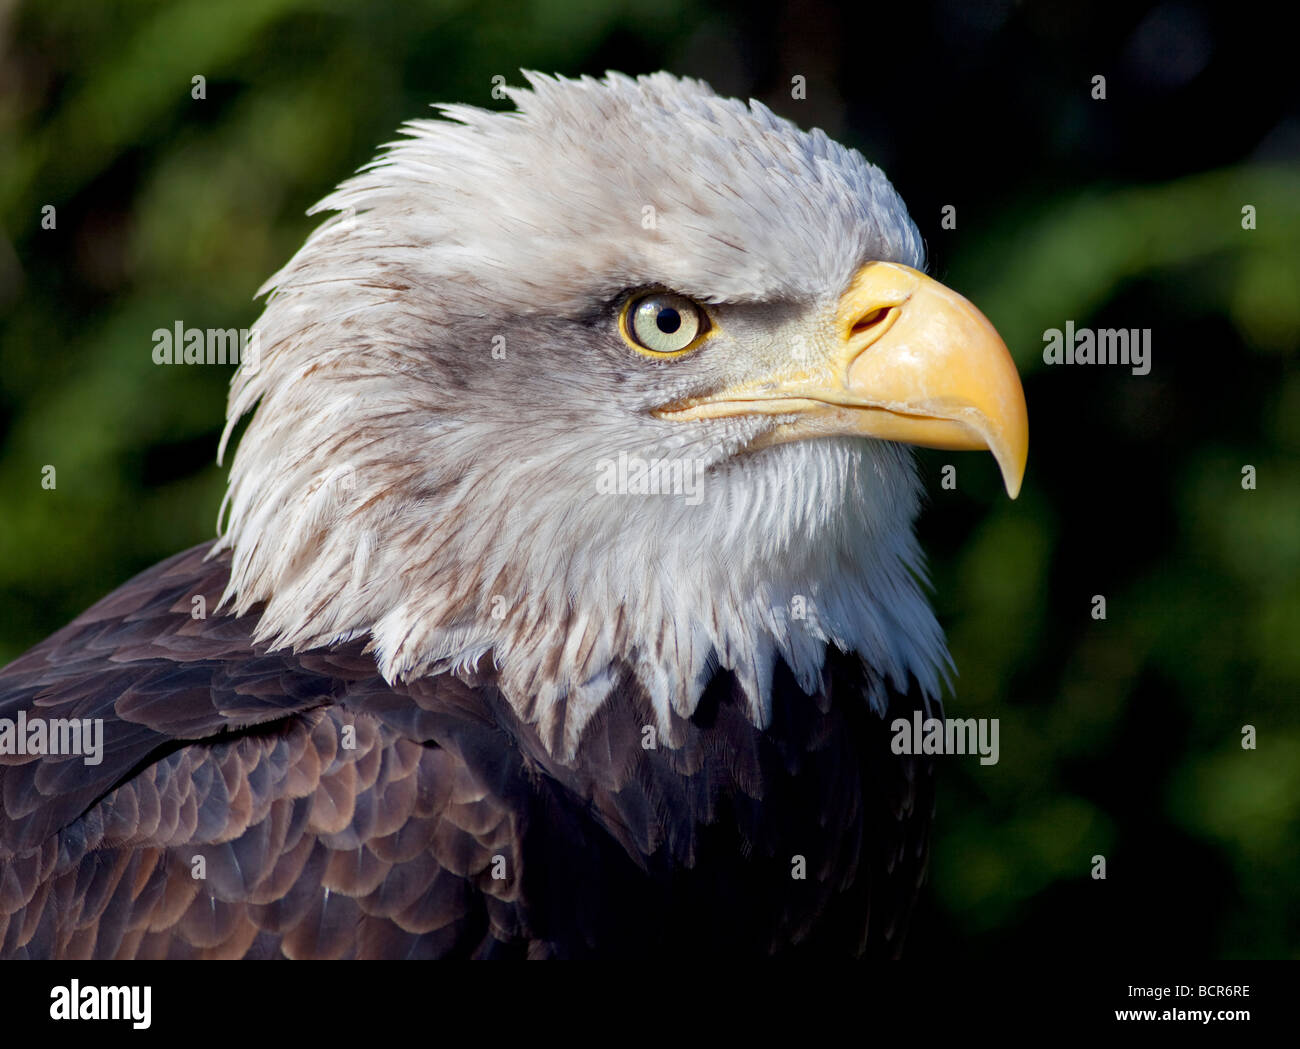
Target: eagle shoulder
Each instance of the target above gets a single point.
(246, 803)
(251, 803)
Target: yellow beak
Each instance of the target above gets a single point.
(909, 360)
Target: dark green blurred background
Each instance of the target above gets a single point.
(1120, 737)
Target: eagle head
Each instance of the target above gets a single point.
(616, 386)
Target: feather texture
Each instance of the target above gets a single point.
(338, 816)
(402, 481)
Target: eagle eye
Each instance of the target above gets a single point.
(662, 324)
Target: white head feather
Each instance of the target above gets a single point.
(441, 387)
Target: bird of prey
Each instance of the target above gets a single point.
(566, 582)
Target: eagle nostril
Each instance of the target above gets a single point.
(869, 320)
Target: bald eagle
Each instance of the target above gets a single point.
(566, 583)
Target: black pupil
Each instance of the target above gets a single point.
(668, 320)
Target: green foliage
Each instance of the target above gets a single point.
(1212, 609)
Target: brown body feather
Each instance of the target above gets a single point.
(446, 828)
